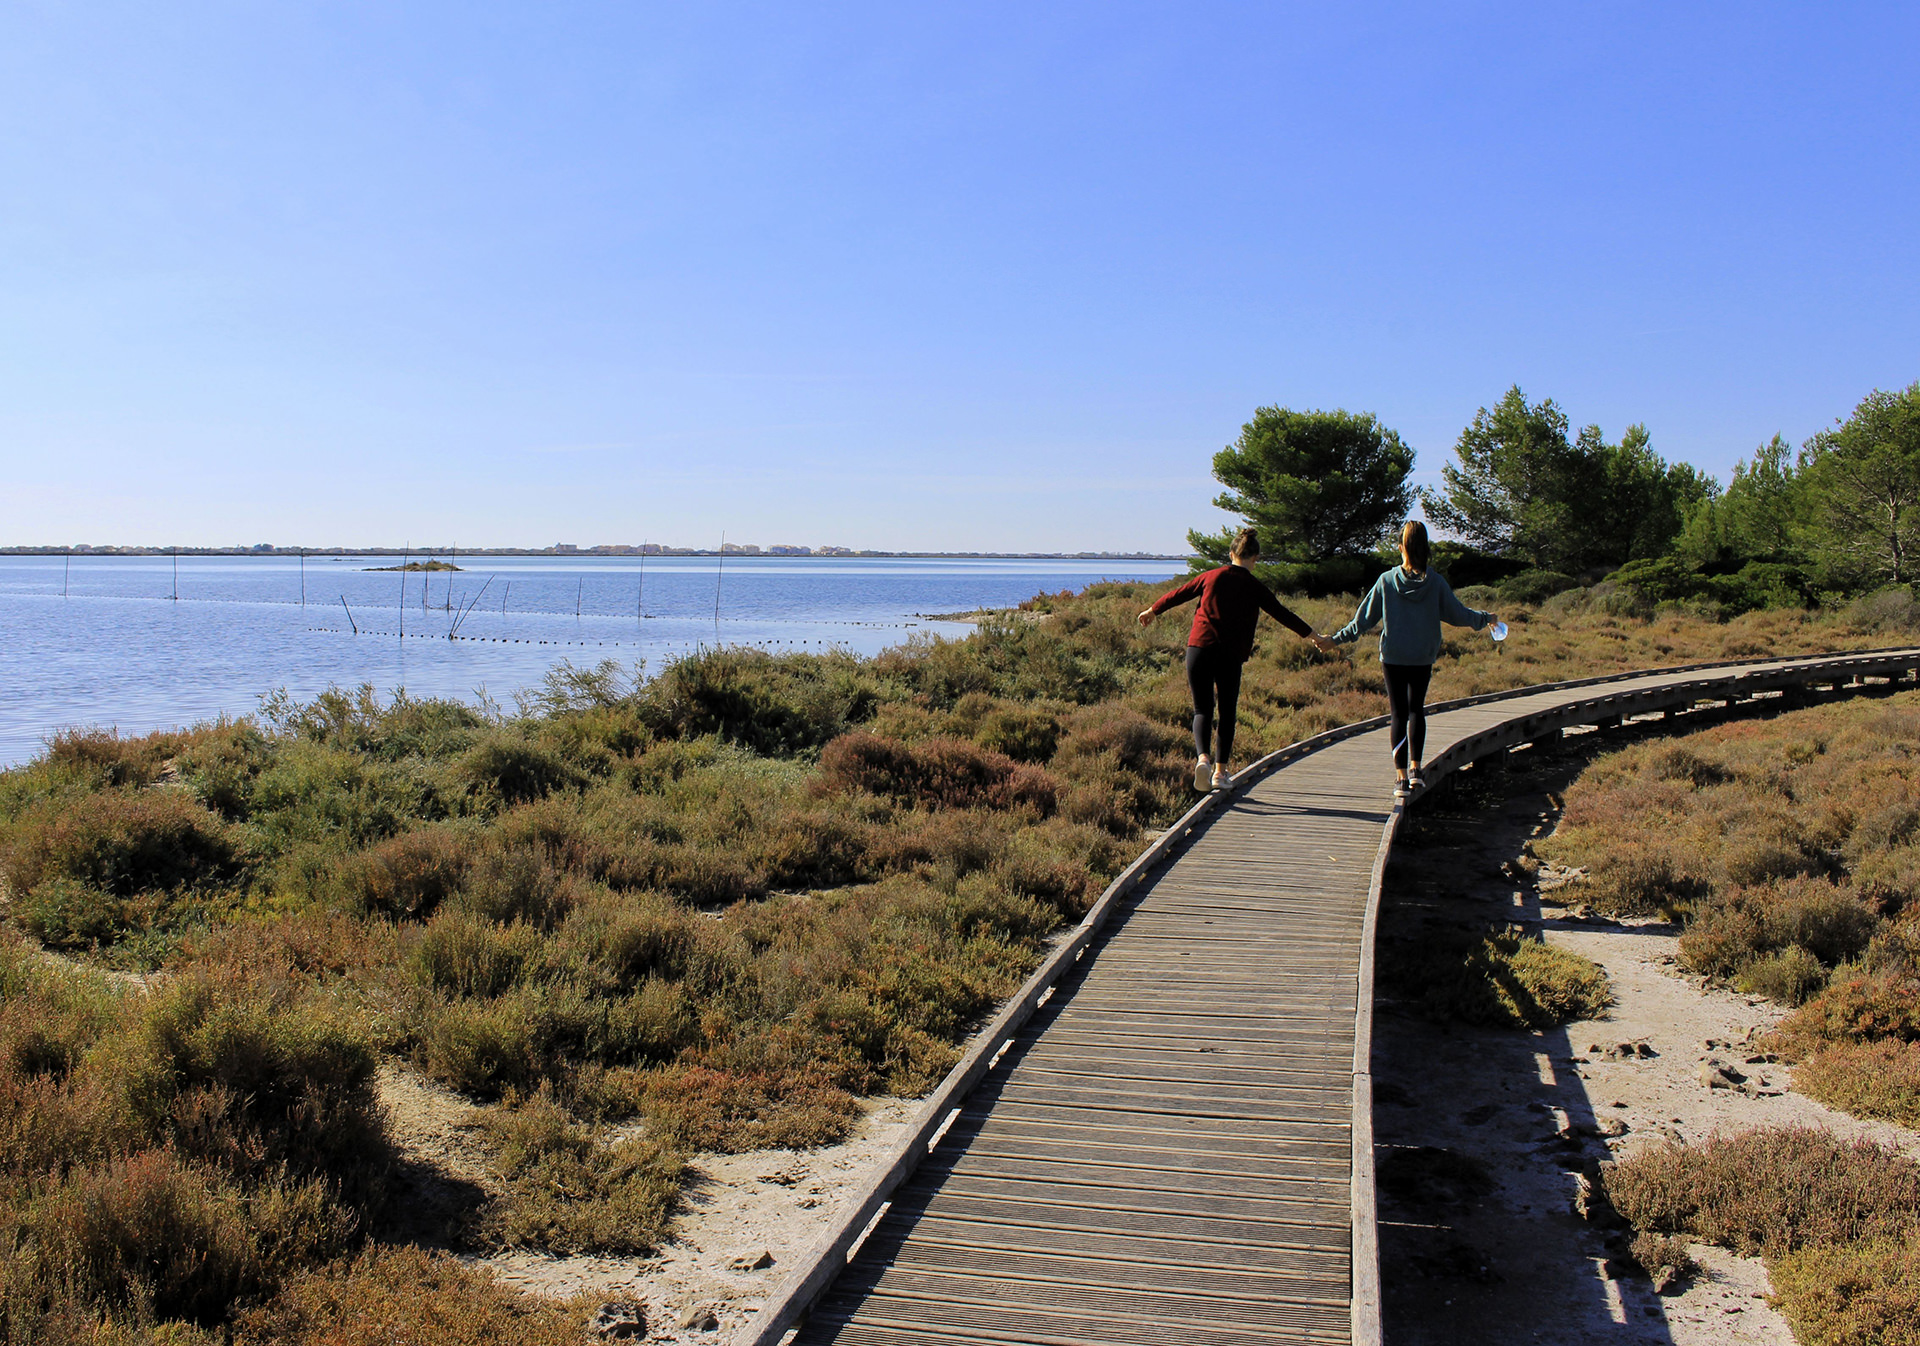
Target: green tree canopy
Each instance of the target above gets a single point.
(1864, 476)
(1761, 516)
(1317, 484)
(1522, 489)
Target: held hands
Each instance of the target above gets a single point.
(1324, 644)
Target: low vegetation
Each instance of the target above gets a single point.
(1790, 848)
(1838, 1223)
(1786, 848)
(706, 912)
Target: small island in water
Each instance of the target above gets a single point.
(419, 565)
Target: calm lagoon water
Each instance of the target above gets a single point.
(119, 650)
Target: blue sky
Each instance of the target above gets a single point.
(991, 276)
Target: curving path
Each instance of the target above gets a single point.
(1166, 1137)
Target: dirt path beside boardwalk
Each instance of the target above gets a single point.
(1486, 1138)
(744, 1219)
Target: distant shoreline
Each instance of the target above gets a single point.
(597, 554)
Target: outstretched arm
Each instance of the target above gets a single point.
(1371, 609)
(1459, 614)
(1280, 613)
(1173, 598)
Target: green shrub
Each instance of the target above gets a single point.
(123, 844)
(516, 884)
(67, 914)
(1857, 1294)
(320, 792)
(1887, 611)
(222, 764)
(504, 768)
(1024, 733)
(1534, 587)
(570, 1190)
(531, 1033)
(769, 703)
(635, 938)
(255, 1081)
(1507, 979)
(1790, 976)
(465, 955)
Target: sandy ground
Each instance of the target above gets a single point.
(1464, 1261)
(745, 1219)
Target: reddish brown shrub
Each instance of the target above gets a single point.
(394, 1295)
(1769, 1190)
(700, 1107)
(1866, 1079)
(1828, 920)
(939, 773)
(178, 1239)
(407, 875)
(1865, 1007)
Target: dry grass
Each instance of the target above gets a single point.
(1867, 1079)
(406, 1295)
(1769, 1191)
(1838, 1224)
(1859, 1294)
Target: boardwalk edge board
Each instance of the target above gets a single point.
(829, 1255)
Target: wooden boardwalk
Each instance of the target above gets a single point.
(1175, 1147)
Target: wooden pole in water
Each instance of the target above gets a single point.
(350, 621)
(303, 577)
(404, 553)
(578, 590)
(719, 570)
(176, 574)
(503, 597)
(67, 574)
(640, 594)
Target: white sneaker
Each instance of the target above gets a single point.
(1399, 793)
(1220, 778)
(1203, 775)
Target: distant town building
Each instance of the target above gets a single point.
(565, 547)
(785, 549)
(833, 551)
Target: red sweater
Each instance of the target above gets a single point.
(1231, 599)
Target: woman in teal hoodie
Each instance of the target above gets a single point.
(1409, 604)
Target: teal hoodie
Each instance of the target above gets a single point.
(1410, 609)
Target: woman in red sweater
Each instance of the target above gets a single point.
(1231, 599)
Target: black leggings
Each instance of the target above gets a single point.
(1407, 702)
(1209, 667)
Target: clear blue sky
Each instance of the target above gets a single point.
(984, 276)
